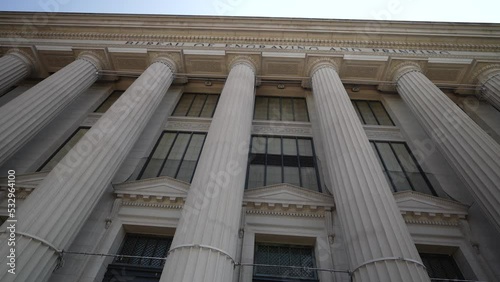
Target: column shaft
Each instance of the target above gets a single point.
(374, 230)
(13, 68)
(473, 154)
(490, 90)
(206, 236)
(26, 115)
(59, 206)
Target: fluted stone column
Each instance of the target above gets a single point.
(14, 67)
(489, 83)
(54, 213)
(26, 115)
(378, 242)
(473, 154)
(205, 240)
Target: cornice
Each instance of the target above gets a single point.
(135, 203)
(418, 204)
(280, 212)
(425, 219)
(233, 23)
(250, 40)
(27, 181)
(287, 195)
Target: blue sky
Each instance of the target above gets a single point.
(414, 10)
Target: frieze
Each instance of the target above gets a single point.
(277, 47)
(188, 125)
(282, 129)
(383, 134)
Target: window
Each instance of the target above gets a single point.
(196, 105)
(176, 155)
(441, 267)
(280, 256)
(64, 149)
(8, 90)
(400, 167)
(109, 102)
(277, 159)
(280, 108)
(139, 269)
(372, 112)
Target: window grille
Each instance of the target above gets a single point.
(278, 159)
(401, 168)
(372, 112)
(196, 105)
(139, 269)
(441, 266)
(176, 155)
(280, 256)
(280, 108)
(146, 246)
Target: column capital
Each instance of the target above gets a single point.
(243, 60)
(166, 60)
(322, 62)
(482, 75)
(92, 57)
(27, 58)
(403, 68)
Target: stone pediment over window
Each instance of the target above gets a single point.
(426, 209)
(25, 183)
(159, 187)
(287, 196)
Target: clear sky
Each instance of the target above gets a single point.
(414, 10)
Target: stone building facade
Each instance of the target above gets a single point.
(182, 148)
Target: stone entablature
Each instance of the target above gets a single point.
(281, 52)
(350, 33)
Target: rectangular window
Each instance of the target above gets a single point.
(280, 108)
(139, 267)
(280, 159)
(372, 112)
(64, 149)
(176, 155)
(109, 102)
(196, 105)
(280, 258)
(441, 266)
(8, 90)
(401, 168)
